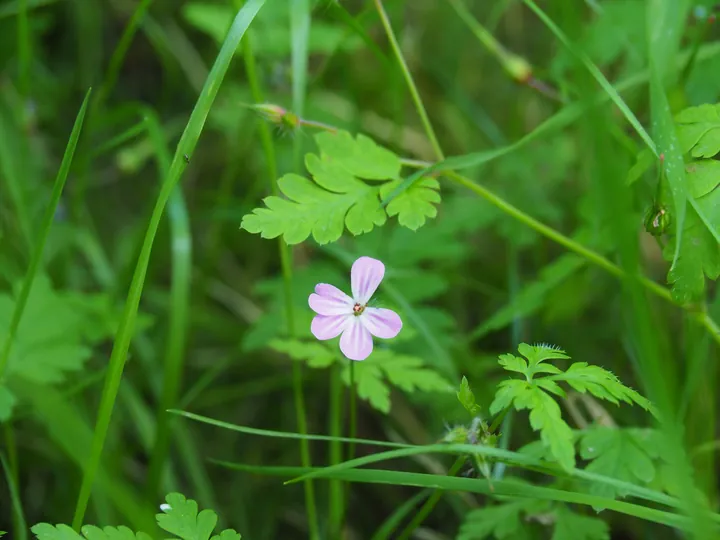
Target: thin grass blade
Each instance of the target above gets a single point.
(125, 330)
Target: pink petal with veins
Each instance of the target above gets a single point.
(383, 323)
(329, 300)
(327, 327)
(356, 341)
(365, 276)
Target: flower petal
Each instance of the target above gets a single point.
(365, 276)
(329, 300)
(327, 327)
(356, 341)
(382, 323)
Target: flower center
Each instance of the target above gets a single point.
(358, 309)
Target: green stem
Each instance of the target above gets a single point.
(353, 411)
(19, 524)
(353, 425)
(429, 505)
(409, 81)
(336, 496)
(658, 290)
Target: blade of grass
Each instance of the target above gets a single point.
(125, 330)
(19, 524)
(178, 308)
(300, 11)
(47, 222)
(404, 450)
(473, 485)
(515, 458)
(282, 434)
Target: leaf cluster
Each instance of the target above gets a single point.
(537, 394)
(374, 377)
(513, 519)
(54, 337)
(339, 195)
(179, 517)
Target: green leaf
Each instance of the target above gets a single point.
(510, 362)
(180, 517)
(384, 368)
(313, 210)
(49, 340)
(572, 526)
(541, 352)
(535, 354)
(360, 157)
(500, 521)
(601, 383)
(703, 176)
(413, 205)
(545, 417)
(625, 454)
(316, 355)
(699, 130)
(467, 398)
(336, 197)
(7, 402)
(698, 257)
(44, 531)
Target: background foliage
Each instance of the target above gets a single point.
(585, 139)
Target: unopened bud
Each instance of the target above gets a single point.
(273, 113)
(518, 68)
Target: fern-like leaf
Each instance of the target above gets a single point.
(601, 383)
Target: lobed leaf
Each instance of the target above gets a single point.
(601, 383)
(315, 354)
(384, 368)
(45, 531)
(545, 417)
(572, 526)
(699, 130)
(625, 454)
(310, 209)
(414, 205)
(181, 517)
(467, 398)
(499, 521)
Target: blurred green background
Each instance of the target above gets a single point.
(470, 284)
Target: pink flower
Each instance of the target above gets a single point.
(337, 313)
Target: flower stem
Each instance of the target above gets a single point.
(336, 498)
(429, 131)
(353, 427)
(430, 503)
